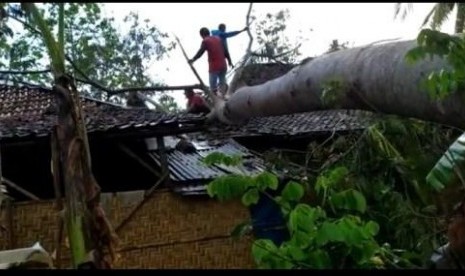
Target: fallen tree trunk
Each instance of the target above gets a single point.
(376, 77)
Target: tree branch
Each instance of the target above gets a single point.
(274, 57)
(205, 88)
(87, 80)
(246, 59)
(25, 24)
(26, 72)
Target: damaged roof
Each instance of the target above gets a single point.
(298, 124)
(27, 112)
(190, 175)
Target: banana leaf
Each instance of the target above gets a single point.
(450, 169)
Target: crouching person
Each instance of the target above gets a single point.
(195, 103)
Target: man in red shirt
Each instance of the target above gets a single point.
(195, 103)
(216, 59)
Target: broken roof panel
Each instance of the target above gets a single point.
(190, 174)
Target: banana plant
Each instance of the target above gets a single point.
(450, 167)
(89, 233)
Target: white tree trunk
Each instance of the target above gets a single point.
(377, 77)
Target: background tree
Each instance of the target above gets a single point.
(272, 42)
(96, 46)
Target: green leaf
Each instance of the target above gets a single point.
(372, 228)
(241, 230)
(261, 249)
(450, 167)
(349, 200)
(222, 159)
(292, 191)
(301, 239)
(329, 232)
(296, 252)
(250, 197)
(303, 218)
(319, 259)
(266, 180)
(228, 187)
(353, 233)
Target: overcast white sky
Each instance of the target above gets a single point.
(357, 23)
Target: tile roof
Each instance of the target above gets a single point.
(190, 175)
(306, 123)
(24, 113)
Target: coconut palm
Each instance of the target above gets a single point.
(438, 14)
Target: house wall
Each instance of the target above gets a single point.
(168, 231)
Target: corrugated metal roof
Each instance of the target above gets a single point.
(190, 174)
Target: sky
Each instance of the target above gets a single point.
(318, 23)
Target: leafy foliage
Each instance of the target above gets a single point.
(375, 179)
(274, 45)
(97, 46)
(317, 239)
(452, 48)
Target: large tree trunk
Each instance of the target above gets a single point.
(375, 77)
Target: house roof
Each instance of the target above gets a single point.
(298, 124)
(25, 113)
(190, 175)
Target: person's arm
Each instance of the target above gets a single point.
(200, 52)
(231, 34)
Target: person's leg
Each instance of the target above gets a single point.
(222, 80)
(228, 57)
(213, 78)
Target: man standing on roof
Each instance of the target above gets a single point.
(221, 32)
(216, 59)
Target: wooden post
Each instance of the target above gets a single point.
(163, 158)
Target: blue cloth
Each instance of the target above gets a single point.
(268, 221)
(217, 79)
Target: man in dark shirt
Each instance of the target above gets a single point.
(221, 33)
(195, 103)
(216, 59)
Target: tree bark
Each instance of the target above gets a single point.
(90, 235)
(376, 77)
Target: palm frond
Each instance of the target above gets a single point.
(438, 15)
(402, 9)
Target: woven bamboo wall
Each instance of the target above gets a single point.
(168, 231)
